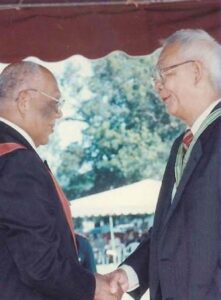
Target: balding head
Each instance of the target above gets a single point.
(29, 98)
(19, 76)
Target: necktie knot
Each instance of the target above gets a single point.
(187, 139)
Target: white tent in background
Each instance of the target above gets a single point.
(136, 198)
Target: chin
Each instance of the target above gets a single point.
(172, 107)
(44, 142)
(173, 111)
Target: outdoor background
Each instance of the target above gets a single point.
(115, 131)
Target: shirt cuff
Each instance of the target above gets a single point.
(132, 277)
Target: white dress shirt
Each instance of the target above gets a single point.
(196, 125)
(21, 131)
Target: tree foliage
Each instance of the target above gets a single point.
(127, 133)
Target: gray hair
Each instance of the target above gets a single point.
(16, 77)
(199, 45)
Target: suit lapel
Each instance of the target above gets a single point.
(164, 201)
(192, 163)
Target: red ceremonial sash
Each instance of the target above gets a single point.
(10, 147)
(66, 207)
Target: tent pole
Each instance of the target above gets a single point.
(113, 245)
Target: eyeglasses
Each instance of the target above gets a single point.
(160, 74)
(59, 102)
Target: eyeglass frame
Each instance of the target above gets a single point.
(59, 102)
(158, 76)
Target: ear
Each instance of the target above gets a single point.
(23, 102)
(198, 71)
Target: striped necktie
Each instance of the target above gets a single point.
(189, 142)
(187, 139)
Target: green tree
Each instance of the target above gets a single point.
(128, 133)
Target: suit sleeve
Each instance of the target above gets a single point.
(139, 261)
(33, 238)
(217, 280)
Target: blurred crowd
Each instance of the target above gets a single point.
(126, 239)
(106, 252)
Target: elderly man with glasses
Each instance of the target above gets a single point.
(181, 258)
(38, 253)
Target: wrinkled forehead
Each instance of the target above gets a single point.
(169, 55)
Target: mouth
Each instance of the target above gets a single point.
(165, 99)
(51, 127)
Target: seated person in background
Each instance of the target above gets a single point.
(85, 253)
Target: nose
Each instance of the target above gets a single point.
(158, 86)
(59, 113)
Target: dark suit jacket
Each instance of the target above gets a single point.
(37, 256)
(181, 259)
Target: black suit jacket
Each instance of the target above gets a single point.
(181, 259)
(37, 256)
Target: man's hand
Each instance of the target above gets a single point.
(118, 279)
(103, 289)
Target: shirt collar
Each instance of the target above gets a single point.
(21, 131)
(196, 125)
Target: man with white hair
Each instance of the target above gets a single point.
(181, 259)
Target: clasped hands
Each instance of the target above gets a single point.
(111, 286)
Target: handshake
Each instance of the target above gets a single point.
(111, 286)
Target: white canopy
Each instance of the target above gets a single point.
(137, 198)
